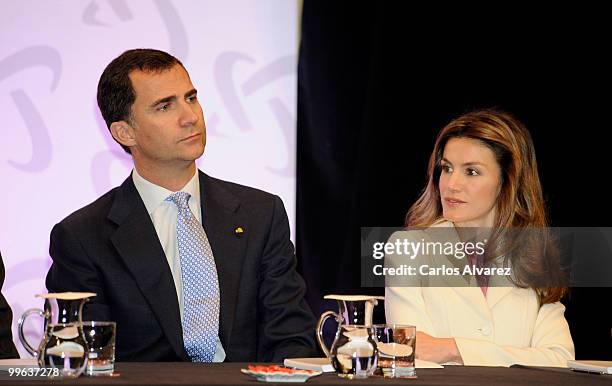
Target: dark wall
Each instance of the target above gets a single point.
(378, 80)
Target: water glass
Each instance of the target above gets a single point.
(396, 350)
(100, 337)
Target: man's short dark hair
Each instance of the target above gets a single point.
(116, 93)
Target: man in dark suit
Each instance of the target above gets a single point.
(7, 347)
(189, 266)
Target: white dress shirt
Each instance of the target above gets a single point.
(163, 214)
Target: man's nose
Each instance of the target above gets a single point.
(188, 115)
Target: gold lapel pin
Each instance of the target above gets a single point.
(239, 231)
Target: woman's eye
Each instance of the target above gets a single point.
(447, 169)
(163, 107)
(192, 98)
(472, 172)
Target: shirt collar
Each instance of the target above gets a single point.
(154, 195)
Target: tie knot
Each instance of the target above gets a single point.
(180, 199)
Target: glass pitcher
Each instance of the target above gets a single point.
(352, 310)
(64, 349)
(354, 353)
(63, 332)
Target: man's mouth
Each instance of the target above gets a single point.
(196, 135)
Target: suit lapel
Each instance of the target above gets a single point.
(445, 234)
(138, 245)
(499, 286)
(464, 285)
(495, 294)
(221, 217)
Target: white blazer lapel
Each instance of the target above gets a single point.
(465, 286)
(495, 294)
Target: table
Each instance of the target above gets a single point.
(229, 374)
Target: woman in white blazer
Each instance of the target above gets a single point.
(483, 175)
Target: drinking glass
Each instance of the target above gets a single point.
(100, 337)
(396, 350)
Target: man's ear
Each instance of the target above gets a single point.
(123, 133)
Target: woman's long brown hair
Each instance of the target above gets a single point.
(520, 203)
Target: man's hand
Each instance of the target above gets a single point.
(438, 350)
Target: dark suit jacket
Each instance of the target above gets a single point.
(110, 247)
(7, 347)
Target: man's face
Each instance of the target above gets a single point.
(167, 119)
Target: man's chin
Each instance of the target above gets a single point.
(193, 157)
(195, 152)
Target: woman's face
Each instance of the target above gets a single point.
(470, 181)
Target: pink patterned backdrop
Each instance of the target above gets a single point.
(55, 152)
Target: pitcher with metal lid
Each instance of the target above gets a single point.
(63, 345)
(354, 318)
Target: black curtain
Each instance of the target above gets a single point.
(377, 81)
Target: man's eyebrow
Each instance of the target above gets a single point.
(164, 100)
(172, 98)
(191, 92)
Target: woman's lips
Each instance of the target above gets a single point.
(453, 202)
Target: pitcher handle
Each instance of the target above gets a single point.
(320, 324)
(20, 324)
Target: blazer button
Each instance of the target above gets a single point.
(485, 330)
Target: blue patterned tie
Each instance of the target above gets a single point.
(200, 283)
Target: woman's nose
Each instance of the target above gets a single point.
(455, 182)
